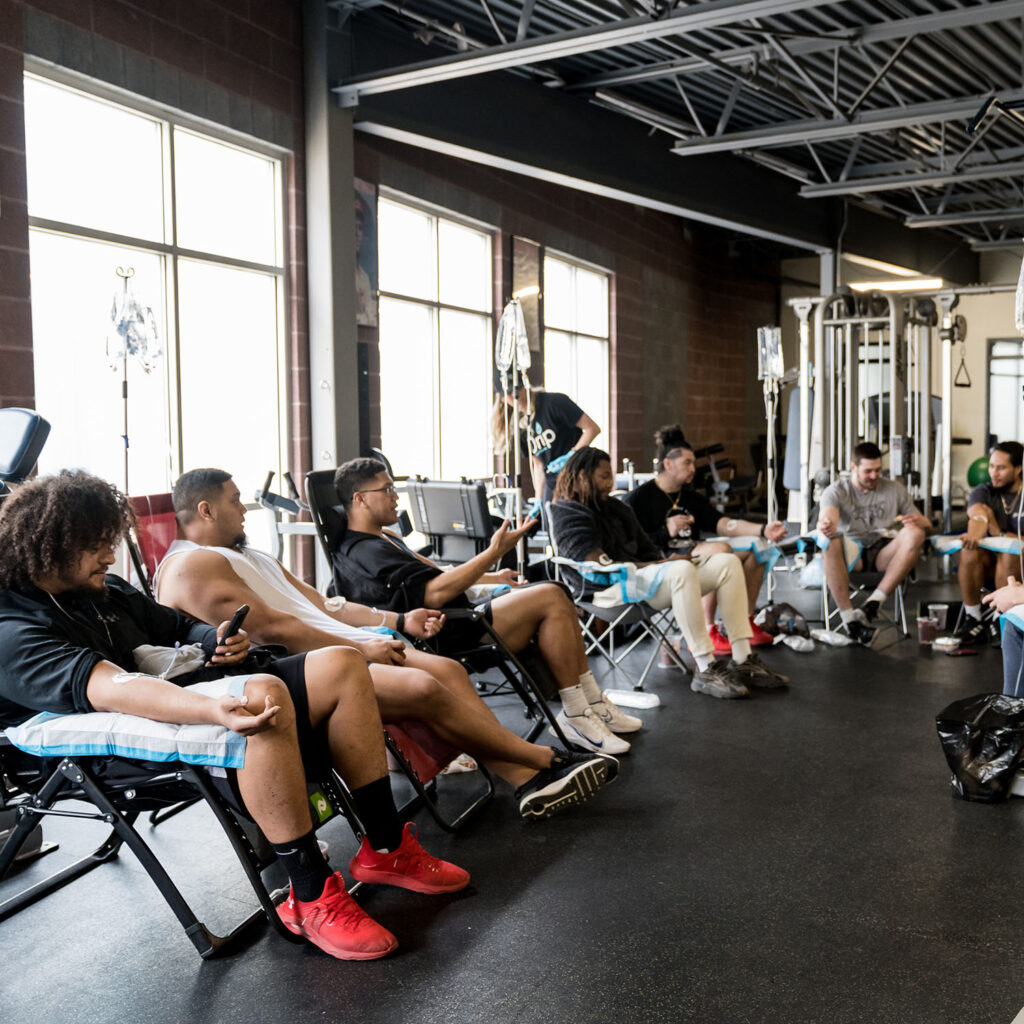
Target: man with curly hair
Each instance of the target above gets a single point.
(70, 639)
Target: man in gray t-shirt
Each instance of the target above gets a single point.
(879, 514)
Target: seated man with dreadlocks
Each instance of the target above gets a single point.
(71, 641)
(592, 526)
(373, 566)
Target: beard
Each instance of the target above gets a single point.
(99, 595)
(240, 542)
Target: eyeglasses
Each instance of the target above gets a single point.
(390, 489)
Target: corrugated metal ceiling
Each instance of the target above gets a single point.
(866, 98)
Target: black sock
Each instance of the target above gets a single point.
(375, 805)
(305, 865)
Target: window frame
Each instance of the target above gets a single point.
(991, 358)
(577, 263)
(436, 305)
(170, 252)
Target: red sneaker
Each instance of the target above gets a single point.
(760, 637)
(722, 645)
(337, 924)
(408, 867)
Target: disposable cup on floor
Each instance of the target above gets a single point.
(927, 628)
(938, 612)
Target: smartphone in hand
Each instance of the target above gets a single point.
(235, 624)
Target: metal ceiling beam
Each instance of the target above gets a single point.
(882, 32)
(943, 220)
(655, 118)
(524, 19)
(891, 182)
(986, 245)
(712, 14)
(793, 132)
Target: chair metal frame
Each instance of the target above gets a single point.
(861, 584)
(73, 778)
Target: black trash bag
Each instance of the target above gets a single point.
(982, 738)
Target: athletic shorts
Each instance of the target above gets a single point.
(869, 556)
(316, 760)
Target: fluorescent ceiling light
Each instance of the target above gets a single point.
(907, 284)
(885, 268)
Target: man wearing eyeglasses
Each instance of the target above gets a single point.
(373, 565)
(211, 568)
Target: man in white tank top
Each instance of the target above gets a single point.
(211, 568)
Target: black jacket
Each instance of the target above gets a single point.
(49, 648)
(580, 529)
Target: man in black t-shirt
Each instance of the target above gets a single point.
(375, 567)
(993, 510)
(675, 517)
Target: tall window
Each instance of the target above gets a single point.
(1005, 378)
(576, 332)
(199, 221)
(435, 342)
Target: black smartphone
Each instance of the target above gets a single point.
(235, 624)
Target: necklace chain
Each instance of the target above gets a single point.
(1009, 509)
(102, 621)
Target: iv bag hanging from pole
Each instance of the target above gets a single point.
(511, 361)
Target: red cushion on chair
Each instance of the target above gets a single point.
(425, 751)
(158, 527)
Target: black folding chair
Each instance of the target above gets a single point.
(37, 787)
(526, 674)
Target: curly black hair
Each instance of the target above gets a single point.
(46, 525)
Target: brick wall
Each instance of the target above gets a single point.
(16, 387)
(234, 62)
(687, 299)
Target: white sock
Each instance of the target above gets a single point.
(848, 615)
(574, 701)
(974, 610)
(588, 684)
(879, 595)
(703, 660)
(740, 651)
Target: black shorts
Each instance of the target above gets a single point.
(869, 556)
(316, 760)
(461, 635)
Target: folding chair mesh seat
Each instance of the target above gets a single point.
(526, 673)
(647, 622)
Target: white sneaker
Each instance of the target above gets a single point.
(615, 718)
(588, 732)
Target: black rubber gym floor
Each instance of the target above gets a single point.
(795, 858)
